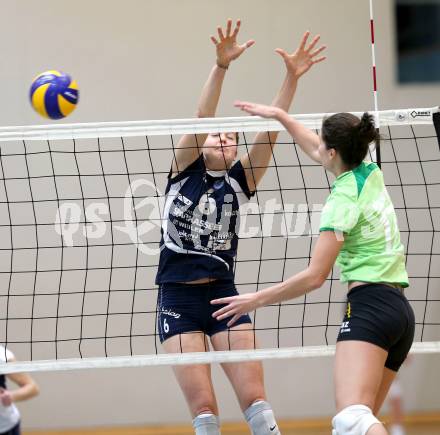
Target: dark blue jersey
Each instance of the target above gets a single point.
(200, 223)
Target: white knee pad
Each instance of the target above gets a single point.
(354, 420)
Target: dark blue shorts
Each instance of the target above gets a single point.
(184, 308)
(14, 431)
(381, 315)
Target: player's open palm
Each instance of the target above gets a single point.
(299, 62)
(226, 45)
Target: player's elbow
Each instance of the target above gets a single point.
(35, 390)
(317, 283)
(317, 279)
(316, 157)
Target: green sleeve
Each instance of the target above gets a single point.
(340, 213)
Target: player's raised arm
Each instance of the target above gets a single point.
(307, 139)
(297, 64)
(227, 50)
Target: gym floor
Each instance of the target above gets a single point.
(416, 425)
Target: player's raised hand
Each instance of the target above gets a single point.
(258, 109)
(226, 44)
(300, 61)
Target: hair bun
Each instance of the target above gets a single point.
(366, 129)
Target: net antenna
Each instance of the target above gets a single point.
(376, 151)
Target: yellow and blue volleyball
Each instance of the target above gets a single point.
(54, 94)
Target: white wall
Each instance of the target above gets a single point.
(148, 60)
(143, 59)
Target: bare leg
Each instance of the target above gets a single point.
(194, 380)
(246, 377)
(387, 379)
(358, 375)
(247, 380)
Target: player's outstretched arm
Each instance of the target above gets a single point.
(297, 64)
(323, 258)
(227, 50)
(307, 139)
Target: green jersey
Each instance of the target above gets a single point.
(360, 208)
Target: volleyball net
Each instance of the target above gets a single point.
(80, 217)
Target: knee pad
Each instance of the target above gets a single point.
(206, 424)
(261, 419)
(354, 420)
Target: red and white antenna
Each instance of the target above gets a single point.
(373, 57)
(376, 150)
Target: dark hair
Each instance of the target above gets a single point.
(350, 136)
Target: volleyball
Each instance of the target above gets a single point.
(54, 94)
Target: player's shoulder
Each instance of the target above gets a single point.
(350, 184)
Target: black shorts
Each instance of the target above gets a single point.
(184, 308)
(381, 315)
(14, 431)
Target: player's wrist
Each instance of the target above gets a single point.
(278, 113)
(222, 64)
(293, 75)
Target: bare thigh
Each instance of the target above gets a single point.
(194, 380)
(387, 379)
(358, 374)
(246, 377)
